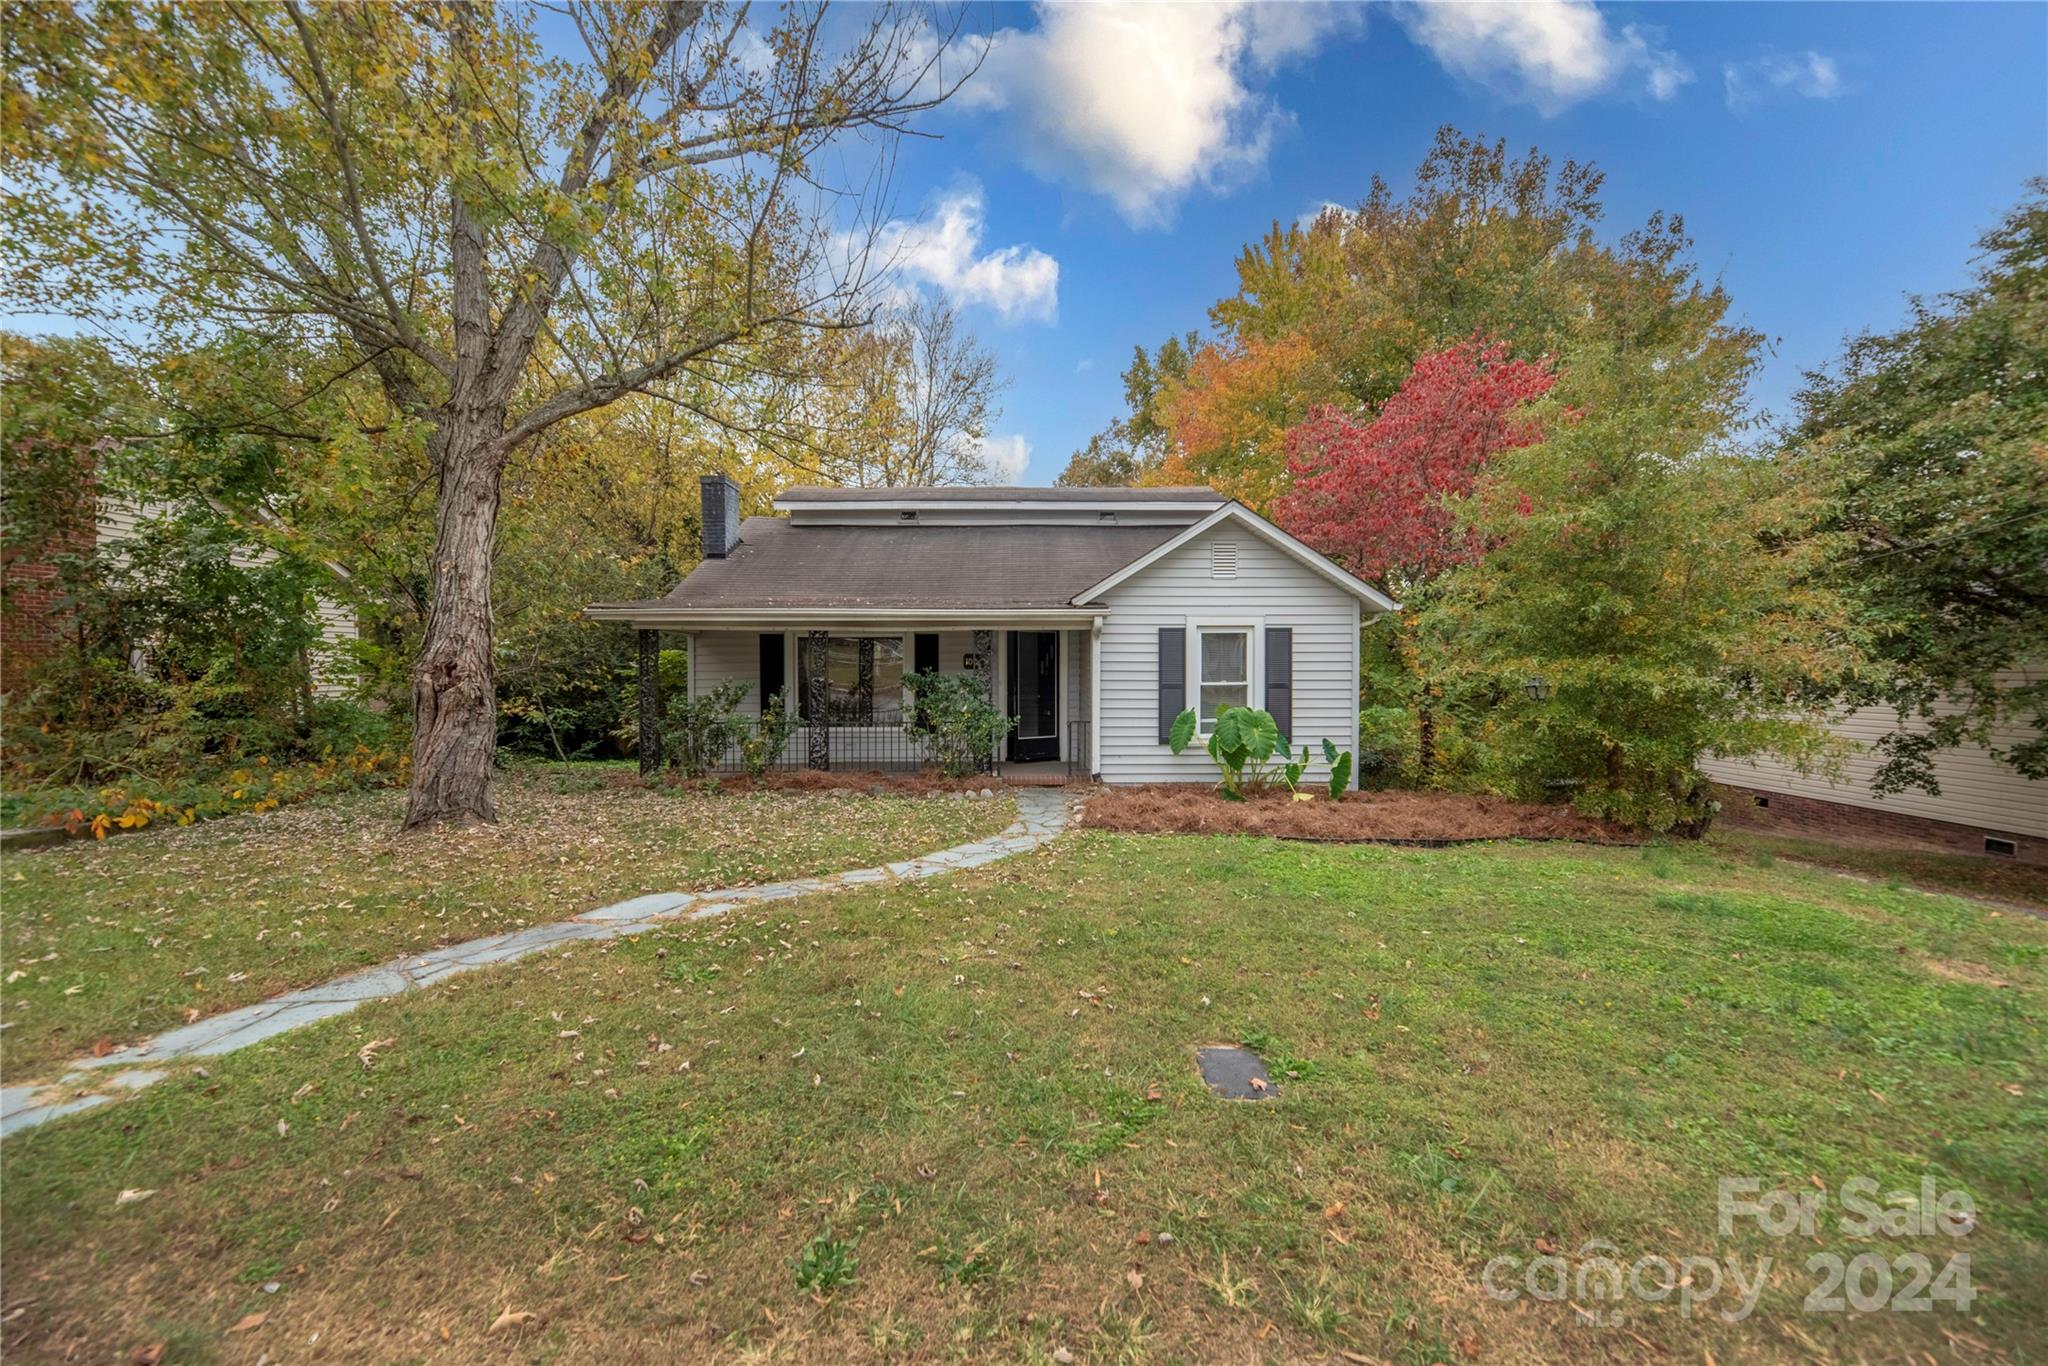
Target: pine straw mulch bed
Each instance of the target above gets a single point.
(1358, 818)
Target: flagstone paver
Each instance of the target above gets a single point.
(1042, 814)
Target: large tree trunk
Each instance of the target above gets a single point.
(454, 695)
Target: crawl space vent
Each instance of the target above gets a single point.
(1223, 560)
(2004, 848)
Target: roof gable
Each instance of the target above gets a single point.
(1242, 516)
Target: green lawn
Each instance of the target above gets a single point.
(118, 939)
(950, 1119)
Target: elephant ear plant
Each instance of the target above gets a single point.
(1253, 755)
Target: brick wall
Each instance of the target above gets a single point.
(31, 617)
(1781, 813)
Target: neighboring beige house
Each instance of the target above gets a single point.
(1094, 616)
(1984, 806)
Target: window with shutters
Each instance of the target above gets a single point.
(1224, 656)
(863, 681)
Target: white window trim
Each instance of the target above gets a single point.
(1254, 629)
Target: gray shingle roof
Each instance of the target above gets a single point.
(1004, 493)
(780, 565)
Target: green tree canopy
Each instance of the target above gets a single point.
(1933, 443)
(506, 229)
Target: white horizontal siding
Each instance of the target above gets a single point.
(1976, 789)
(1269, 588)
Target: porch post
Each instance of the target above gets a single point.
(650, 701)
(1095, 699)
(985, 670)
(818, 697)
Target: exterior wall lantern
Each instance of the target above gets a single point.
(1538, 689)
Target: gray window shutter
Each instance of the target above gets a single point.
(1280, 678)
(1173, 677)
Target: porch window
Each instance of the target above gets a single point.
(1226, 673)
(863, 680)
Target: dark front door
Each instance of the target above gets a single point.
(1034, 695)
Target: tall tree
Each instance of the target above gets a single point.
(1381, 498)
(507, 226)
(1227, 419)
(1133, 447)
(1933, 441)
(908, 401)
(1483, 243)
(1646, 595)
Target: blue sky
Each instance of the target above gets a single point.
(1829, 159)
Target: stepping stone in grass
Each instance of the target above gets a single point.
(1235, 1073)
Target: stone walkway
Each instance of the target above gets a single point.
(1042, 814)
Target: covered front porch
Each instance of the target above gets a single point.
(845, 703)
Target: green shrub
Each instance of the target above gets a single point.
(763, 745)
(960, 726)
(697, 732)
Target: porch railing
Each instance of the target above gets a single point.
(1078, 750)
(888, 742)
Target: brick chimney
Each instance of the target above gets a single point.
(721, 515)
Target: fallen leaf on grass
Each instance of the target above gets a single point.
(130, 1196)
(367, 1054)
(1334, 1211)
(510, 1319)
(249, 1321)
(1134, 1280)
(149, 1355)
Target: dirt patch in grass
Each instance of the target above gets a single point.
(1975, 973)
(1360, 817)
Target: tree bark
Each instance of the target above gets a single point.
(454, 692)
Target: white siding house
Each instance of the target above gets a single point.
(1093, 616)
(1226, 579)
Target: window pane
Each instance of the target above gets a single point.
(851, 698)
(1224, 657)
(888, 689)
(1216, 696)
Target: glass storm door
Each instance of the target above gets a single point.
(1034, 695)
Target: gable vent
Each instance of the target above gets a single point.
(1223, 560)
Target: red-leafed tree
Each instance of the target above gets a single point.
(1379, 497)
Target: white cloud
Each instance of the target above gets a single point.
(1812, 76)
(1144, 102)
(1308, 217)
(944, 250)
(1005, 457)
(1552, 53)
